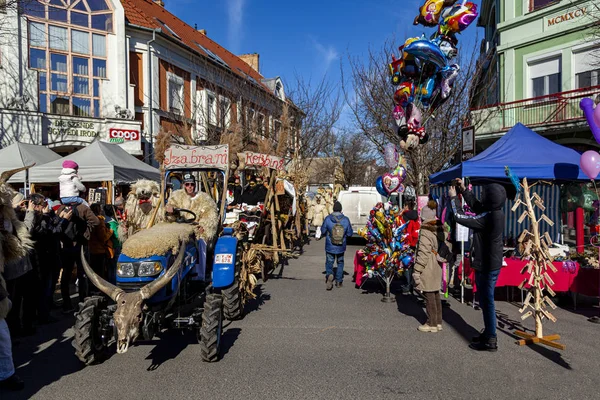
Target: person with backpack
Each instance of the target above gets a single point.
(336, 228)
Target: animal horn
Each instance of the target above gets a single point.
(111, 290)
(150, 289)
(7, 174)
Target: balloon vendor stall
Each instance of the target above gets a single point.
(388, 249)
(424, 74)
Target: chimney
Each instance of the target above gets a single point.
(252, 60)
(202, 31)
(159, 2)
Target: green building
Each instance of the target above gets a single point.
(539, 58)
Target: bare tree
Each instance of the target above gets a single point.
(359, 161)
(369, 95)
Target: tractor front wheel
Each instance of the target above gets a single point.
(209, 334)
(233, 302)
(87, 340)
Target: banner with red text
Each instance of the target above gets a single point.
(251, 159)
(187, 157)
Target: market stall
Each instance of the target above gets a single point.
(101, 165)
(19, 155)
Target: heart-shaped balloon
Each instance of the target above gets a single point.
(391, 182)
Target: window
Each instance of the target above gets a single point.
(171, 31)
(2, 6)
(545, 77)
(175, 91)
(71, 61)
(276, 129)
(537, 4)
(260, 129)
(586, 69)
(213, 56)
(224, 112)
(211, 109)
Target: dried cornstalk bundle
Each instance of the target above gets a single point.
(164, 140)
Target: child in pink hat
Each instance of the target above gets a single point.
(70, 183)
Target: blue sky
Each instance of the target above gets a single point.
(309, 37)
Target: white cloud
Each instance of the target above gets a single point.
(235, 17)
(328, 53)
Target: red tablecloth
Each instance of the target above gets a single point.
(359, 267)
(587, 282)
(511, 275)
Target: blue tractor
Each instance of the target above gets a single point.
(185, 283)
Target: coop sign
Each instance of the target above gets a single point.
(186, 157)
(568, 16)
(116, 135)
(262, 160)
(72, 128)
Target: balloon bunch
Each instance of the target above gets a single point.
(391, 182)
(387, 250)
(424, 75)
(591, 111)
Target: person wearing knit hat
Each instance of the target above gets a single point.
(18, 199)
(70, 183)
(336, 228)
(427, 275)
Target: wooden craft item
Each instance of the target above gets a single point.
(550, 302)
(551, 266)
(522, 284)
(526, 315)
(523, 216)
(523, 235)
(548, 220)
(548, 238)
(548, 315)
(517, 204)
(548, 279)
(540, 205)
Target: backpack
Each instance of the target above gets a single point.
(76, 228)
(338, 232)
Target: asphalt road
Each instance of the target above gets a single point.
(299, 341)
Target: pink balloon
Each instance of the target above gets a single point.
(590, 163)
(390, 155)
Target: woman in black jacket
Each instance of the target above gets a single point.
(486, 250)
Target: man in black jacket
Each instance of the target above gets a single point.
(486, 250)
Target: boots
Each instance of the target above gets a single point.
(483, 344)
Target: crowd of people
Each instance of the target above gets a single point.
(59, 229)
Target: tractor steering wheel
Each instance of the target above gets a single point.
(180, 219)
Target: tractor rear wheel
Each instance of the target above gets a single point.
(233, 302)
(209, 334)
(87, 339)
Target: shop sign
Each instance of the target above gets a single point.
(69, 127)
(262, 160)
(116, 135)
(185, 157)
(468, 142)
(568, 16)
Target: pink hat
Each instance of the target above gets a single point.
(70, 164)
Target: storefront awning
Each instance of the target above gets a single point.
(19, 155)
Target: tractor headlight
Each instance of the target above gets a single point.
(150, 268)
(125, 270)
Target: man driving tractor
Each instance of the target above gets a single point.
(200, 203)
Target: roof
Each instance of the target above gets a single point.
(322, 169)
(528, 154)
(147, 14)
(19, 155)
(98, 162)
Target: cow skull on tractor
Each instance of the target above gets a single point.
(128, 314)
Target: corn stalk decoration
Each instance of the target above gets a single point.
(534, 245)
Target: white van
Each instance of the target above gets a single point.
(357, 202)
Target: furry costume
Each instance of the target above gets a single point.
(13, 245)
(205, 208)
(139, 208)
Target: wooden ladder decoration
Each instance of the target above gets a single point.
(535, 246)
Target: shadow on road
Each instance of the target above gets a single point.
(170, 344)
(228, 339)
(409, 306)
(256, 303)
(44, 358)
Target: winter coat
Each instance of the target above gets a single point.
(205, 208)
(114, 226)
(487, 248)
(100, 239)
(427, 270)
(82, 222)
(327, 230)
(70, 183)
(319, 213)
(261, 193)
(250, 196)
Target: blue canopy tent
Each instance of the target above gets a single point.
(528, 155)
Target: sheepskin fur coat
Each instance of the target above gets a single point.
(143, 198)
(15, 244)
(207, 214)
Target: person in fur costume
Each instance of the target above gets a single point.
(202, 204)
(142, 200)
(15, 243)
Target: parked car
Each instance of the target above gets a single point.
(357, 202)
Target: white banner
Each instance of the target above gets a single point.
(262, 160)
(181, 157)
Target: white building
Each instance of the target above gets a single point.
(72, 71)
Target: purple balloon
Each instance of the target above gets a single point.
(591, 115)
(390, 155)
(590, 163)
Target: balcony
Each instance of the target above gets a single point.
(555, 111)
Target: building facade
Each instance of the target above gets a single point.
(540, 57)
(73, 71)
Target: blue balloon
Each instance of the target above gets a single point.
(379, 186)
(427, 51)
(406, 260)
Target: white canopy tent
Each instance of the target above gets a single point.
(98, 162)
(19, 155)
